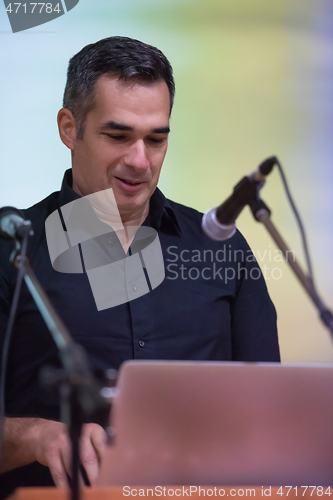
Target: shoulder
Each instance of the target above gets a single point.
(185, 212)
(190, 219)
(41, 210)
(37, 214)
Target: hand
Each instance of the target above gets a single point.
(51, 447)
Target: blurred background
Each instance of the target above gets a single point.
(254, 78)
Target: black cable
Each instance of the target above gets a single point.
(300, 224)
(325, 314)
(7, 338)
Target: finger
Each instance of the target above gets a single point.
(89, 458)
(99, 439)
(57, 469)
(66, 458)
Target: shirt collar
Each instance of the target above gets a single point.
(162, 215)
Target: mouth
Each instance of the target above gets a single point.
(129, 185)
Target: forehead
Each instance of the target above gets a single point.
(131, 101)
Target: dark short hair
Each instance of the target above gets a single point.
(123, 57)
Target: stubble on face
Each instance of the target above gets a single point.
(124, 144)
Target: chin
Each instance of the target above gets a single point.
(130, 202)
(128, 207)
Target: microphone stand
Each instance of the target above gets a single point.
(80, 392)
(263, 214)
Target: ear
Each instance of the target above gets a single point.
(67, 128)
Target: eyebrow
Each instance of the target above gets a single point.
(126, 128)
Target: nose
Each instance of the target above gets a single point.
(136, 156)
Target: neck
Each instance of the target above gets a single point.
(134, 218)
(131, 222)
(104, 206)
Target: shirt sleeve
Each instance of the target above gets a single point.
(253, 316)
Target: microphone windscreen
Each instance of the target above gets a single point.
(214, 229)
(267, 165)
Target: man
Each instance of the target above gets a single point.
(115, 121)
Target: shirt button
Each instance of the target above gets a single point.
(110, 239)
(134, 288)
(141, 343)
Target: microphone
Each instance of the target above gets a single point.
(13, 224)
(220, 223)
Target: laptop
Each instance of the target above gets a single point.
(217, 423)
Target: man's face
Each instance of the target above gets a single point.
(124, 143)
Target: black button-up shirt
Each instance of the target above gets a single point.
(212, 305)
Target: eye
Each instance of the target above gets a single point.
(159, 140)
(116, 137)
